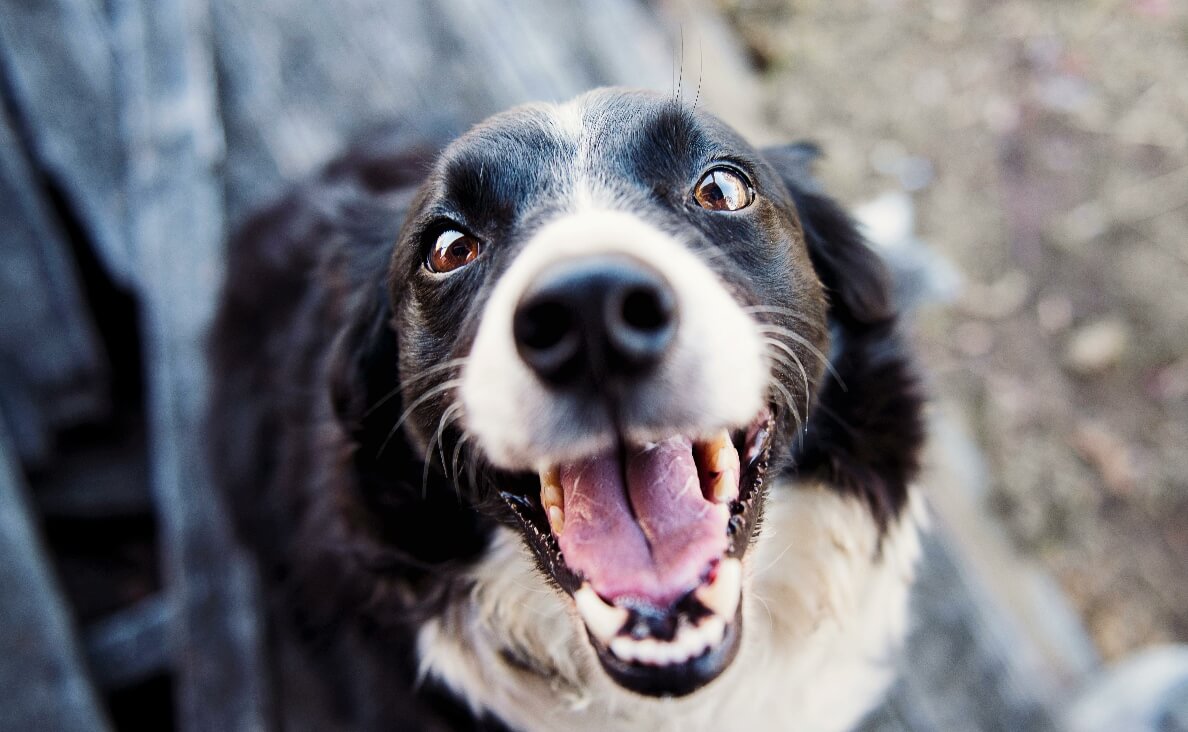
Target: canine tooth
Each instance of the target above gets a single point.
(717, 451)
(719, 461)
(556, 520)
(550, 488)
(604, 621)
(722, 595)
(725, 487)
(552, 499)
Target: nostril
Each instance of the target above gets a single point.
(647, 309)
(543, 325)
(640, 323)
(547, 338)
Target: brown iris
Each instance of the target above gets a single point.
(723, 189)
(453, 250)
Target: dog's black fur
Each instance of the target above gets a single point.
(359, 542)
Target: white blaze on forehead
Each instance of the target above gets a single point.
(572, 124)
(714, 376)
(569, 118)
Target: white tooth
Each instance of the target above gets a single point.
(714, 629)
(556, 520)
(725, 487)
(723, 594)
(550, 488)
(684, 647)
(649, 650)
(552, 499)
(603, 620)
(717, 451)
(623, 648)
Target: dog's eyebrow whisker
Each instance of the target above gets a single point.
(443, 386)
(424, 373)
(793, 335)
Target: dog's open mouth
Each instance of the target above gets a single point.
(649, 540)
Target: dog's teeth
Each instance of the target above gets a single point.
(604, 621)
(552, 499)
(719, 460)
(717, 451)
(725, 488)
(713, 629)
(623, 648)
(722, 595)
(556, 520)
(550, 488)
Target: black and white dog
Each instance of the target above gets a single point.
(598, 420)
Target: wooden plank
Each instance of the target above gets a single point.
(173, 139)
(41, 671)
(57, 62)
(291, 97)
(131, 645)
(52, 369)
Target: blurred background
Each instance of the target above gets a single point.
(1023, 166)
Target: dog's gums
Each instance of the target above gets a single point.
(649, 540)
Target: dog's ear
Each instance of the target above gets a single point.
(854, 275)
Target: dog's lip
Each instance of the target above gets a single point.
(673, 650)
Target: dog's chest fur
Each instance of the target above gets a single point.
(826, 611)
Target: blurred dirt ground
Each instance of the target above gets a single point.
(1045, 147)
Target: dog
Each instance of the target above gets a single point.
(598, 418)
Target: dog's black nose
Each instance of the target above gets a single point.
(601, 318)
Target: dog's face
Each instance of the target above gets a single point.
(610, 333)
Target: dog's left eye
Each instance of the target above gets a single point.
(723, 189)
(453, 250)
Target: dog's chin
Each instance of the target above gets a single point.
(648, 543)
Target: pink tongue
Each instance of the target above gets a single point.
(663, 555)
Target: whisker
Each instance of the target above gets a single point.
(454, 459)
(448, 416)
(773, 562)
(436, 368)
(443, 386)
(778, 330)
(767, 608)
(775, 342)
(778, 358)
(791, 404)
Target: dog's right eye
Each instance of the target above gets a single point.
(723, 189)
(452, 250)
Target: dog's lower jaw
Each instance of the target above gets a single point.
(825, 607)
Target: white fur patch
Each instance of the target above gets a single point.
(824, 615)
(717, 355)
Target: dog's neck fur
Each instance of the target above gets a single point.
(825, 611)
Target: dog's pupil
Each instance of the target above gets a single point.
(453, 250)
(722, 190)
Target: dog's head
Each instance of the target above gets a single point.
(612, 326)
